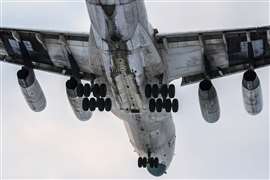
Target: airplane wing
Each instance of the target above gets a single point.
(46, 50)
(194, 56)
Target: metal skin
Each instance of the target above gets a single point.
(31, 89)
(124, 40)
(209, 101)
(252, 93)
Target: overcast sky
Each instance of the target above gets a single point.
(54, 144)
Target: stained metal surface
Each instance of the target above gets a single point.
(227, 51)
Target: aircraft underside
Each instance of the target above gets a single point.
(129, 68)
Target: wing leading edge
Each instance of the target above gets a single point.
(195, 56)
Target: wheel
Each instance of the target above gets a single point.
(171, 91)
(155, 91)
(159, 105)
(156, 162)
(147, 91)
(85, 104)
(108, 104)
(87, 90)
(71, 83)
(168, 105)
(92, 104)
(164, 91)
(152, 105)
(96, 90)
(80, 90)
(103, 90)
(151, 162)
(101, 104)
(140, 162)
(144, 162)
(175, 105)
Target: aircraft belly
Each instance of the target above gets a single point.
(154, 132)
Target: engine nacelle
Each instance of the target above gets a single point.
(75, 101)
(31, 89)
(209, 101)
(252, 92)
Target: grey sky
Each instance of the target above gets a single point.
(54, 144)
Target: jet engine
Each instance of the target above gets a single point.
(209, 101)
(75, 101)
(31, 89)
(252, 92)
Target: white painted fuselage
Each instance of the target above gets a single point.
(124, 55)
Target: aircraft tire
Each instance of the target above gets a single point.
(156, 162)
(92, 104)
(168, 105)
(85, 104)
(175, 105)
(101, 104)
(148, 91)
(155, 91)
(71, 83)
(103, 90)
(164, 91)
(80, 90)
(152, 105)
(151, 162)
(108, 104)
(96, 90)
(144, 162)
(171, 91)
(140, 159)
(87, 90)
(159, 105)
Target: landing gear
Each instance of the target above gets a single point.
(154, 91)
(100, 103)
(166, 100)
(152, 162)
(168, 105)
(99, 92)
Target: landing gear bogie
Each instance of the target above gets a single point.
(152, 162)
(155, 90)
(99, 92)
(100, 103)
(167, 105)
(166, 100)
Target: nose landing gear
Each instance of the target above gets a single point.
(152, 162)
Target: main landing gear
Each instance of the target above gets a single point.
(167, 100)
(152, 162)
(97, 101)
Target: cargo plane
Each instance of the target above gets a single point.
(129, 67)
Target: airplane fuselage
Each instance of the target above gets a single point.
(121, 43)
